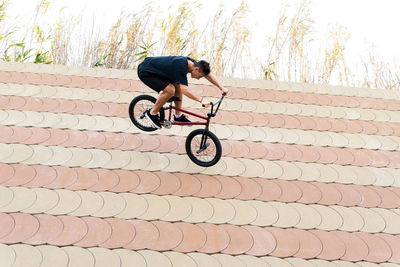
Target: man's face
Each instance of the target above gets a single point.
(197, 74)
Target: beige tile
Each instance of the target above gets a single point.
(204, 260)
(271, 169)
(6, 196)
(288, 216)
(234, 167)
(50, 120)
(122, 125)
(91, 203)
(32, 118)
(85, 122)
(231, 104)
(373, 221)
(179, 209)
(202, 210)
(337, 113)
(239, 132)
(389, 143)
(383, 178)
(155, 259)
(366, 115)
(273, 261)
(322, 112)
(392, 220)
(346, 174)
(355, 140)
(80, 157)
(223, 211)
(177, 163)
(222, 131)
(352, 220)
(53, 256)
(345, 264)
(308, 171)
(139, 161)
(23, 199)
(105, 257)
(102, 123)
(61, 155)
(305, 137)
(277, 108)
(228, 260)
(322, 139)
(180, 259)
(384, 116)
(291, 171)
(247, 106)
(45, 200)
(371, 142)
(216, 169)
(272, 135)
(263, 107)
(338, 140)
(308, 110)
(322, 263)
(267, 214)
(191, 166)
(252, 261)
(40, 154)
(99, 159)
(310, 218)
(158, 162)
(7, 255)
(253, 168)
(299, 262)
(67, 121)
(328, 173)
(20, 153)
(352, 114)
(245, 212)
(69, 202)
(3, 116)
(119, 159)
(113, 204)
(27, 256)
(364, 176)
(330, 218)
(256, 133)
(6, 151)
(130, 258)
(136, 205)
(289, 136)
(158, 207)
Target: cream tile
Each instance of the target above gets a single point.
(277, 108)
(3, 116)
(338, 140)
(323, 112)
(382, 115)
(99, 158)
(305, 137)
(7, 255)
(180, 259)
(20, 153)
(239, 132)
(322, 263)
(351, 114)
(6, 196)
(267, 214)
(102, 123)
(245, 213)
(204, 260)
(23, 199)
(253, 168)
(337, 113)
(234, 167)
(61, 155)
(50, 120)
(352, 220)
(67, 121)
(69, 93)
(330, 218)
(30, 90)
(273, 261)
(371, 142)
(6, 151)
(179, 209)
(271, 169)
(93, 95)
(80, 157)
(202, 210)
(383, 178)
(110, 96)
(14, 117)
(252, 261)
(392, 220)
(119, 159)
(130, 258)
(69, 202)
(158, 207)
(272, 135)
(222, 131)
(263, 107)
(91, 203)
(291, 171)
(155, 259)
(293, 109)
(85, 122)
(40, 154)
(388, 143)
(228, 260)
(26, 256)
(299, 262)
(223, 211)
(177, 163)
(53, 256)
(308, 171)
(364, 176)
(355, 140)
(373, 221)
(123, 125)
(45, 200)
(158, 162)
(345, 264)
(247, 106)
(288, 136)
(308, 110)
(310, 218)
(136, 206)
(105, 257)
(347, 175)
(32, 118)
(328, 173)
(47, 91)
(113, 204)
(288, 216)
(231, 105)
(191, 167)
(366, 115)
(322, 139)
(139, 161)
(256, 134)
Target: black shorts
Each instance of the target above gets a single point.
(153, 81)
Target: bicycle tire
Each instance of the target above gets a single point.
(192, 146)
(136, 110)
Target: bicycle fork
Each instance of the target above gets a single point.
(203, 143)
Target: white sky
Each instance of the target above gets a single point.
(368, 21)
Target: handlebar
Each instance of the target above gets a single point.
(218, 103)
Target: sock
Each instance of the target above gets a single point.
(177, 116)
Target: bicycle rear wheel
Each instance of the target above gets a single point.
(137, 109)
(203, 147)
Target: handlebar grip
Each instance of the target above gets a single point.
(203, 105)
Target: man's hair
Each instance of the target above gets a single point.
(203, 66)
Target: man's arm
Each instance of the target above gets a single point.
(187, 92)
(212, 79)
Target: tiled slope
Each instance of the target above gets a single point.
(310, 175)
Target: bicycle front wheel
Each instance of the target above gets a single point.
(138, 107)
(203, 147)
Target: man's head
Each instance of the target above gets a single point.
(201, 69)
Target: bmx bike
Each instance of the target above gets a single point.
(202, 146)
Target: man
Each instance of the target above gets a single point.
(167, 74)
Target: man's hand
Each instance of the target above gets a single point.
(204, 103)
(224, 90)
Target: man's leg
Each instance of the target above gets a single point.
(166, 94)
(178, 93)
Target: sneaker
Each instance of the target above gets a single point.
(155, 121)
(181, 118)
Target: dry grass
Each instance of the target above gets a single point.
(293, 53)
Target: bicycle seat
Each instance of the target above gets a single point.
(174, 98)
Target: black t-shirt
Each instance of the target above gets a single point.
(172, 68)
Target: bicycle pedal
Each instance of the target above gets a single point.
(166, 124)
